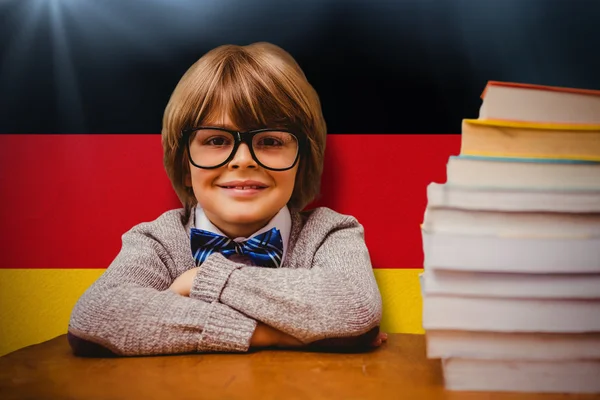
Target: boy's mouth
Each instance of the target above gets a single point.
(243, 185)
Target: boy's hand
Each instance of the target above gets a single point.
(380, 339)
(266, 336)
(183, 284)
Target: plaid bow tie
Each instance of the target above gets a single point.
(265, 250)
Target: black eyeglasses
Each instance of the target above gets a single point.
(212, 147)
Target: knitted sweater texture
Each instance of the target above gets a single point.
(324, 289)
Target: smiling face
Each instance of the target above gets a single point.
(240, 197)
(257, 86)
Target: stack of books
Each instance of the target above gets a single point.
(511, 281)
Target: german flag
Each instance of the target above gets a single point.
(83, 87)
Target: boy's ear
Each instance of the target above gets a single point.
(187, 180)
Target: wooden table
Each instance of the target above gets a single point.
(398, 370)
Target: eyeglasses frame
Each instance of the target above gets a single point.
(240, 137)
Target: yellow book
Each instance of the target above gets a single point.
(516, 139)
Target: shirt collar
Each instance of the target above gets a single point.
(282, 221)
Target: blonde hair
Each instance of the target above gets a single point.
(259, 85)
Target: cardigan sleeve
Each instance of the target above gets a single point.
(335, 296)
(130, 311)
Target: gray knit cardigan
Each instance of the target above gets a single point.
(324, 291)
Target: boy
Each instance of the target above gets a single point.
(240, 266)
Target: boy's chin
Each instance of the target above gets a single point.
(247, 215)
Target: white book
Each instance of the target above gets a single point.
(473, 198)
(512, 345)
(509, 254)
(538, 103)
(517, 285)
(511, 224)
(575, 376)
(486, 172)
(496, 314)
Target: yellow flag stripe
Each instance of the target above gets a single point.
(35, 304)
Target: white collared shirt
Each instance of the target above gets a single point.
(282, 221)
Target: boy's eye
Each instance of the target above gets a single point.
(216, 141)
(211, 138)
(274, 140)
(270, 142)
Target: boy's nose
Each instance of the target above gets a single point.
(242, 158)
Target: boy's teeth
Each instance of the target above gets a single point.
(241, 187)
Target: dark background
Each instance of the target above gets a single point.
(403, 66)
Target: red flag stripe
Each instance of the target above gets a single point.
(67, 199)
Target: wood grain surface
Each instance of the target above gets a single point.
(397, 370)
